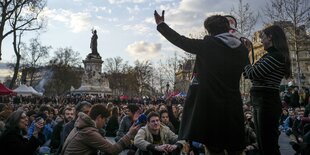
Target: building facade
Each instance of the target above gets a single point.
(183, 75)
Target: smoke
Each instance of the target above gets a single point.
(47, 76)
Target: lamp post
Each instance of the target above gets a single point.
(302, 79)
(167, 86)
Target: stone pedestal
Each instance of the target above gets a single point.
(94, 82)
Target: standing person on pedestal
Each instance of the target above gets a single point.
(266, 75)
(214, 97)
(93, 43)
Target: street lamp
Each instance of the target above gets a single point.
(302, 79)
(167, 86)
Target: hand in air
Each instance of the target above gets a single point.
(159, 19)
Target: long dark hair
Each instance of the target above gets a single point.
(11, 124)
(279, 42)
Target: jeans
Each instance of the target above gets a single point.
(267, 112)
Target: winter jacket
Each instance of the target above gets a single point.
(12, 142)
(85, 139)
(124, 126)
(144, 138)
(112, 127)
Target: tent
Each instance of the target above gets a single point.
(25, 91)
(5, 91)
(123, 97)
(34, 91)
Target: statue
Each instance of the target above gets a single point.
(93, 43)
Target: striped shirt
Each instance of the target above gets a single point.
(267, 72)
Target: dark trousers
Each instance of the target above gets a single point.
(267, 112)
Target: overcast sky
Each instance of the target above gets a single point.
(125, 28)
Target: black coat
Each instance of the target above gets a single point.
(12, 142)
(112, 127)
(213, 113)
(56, 135)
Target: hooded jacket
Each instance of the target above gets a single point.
(85, 139)
(213, 113)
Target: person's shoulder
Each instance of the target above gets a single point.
(164, 127)
(11, 135)
(277, 56)
(126, 118)
(209, 38)
(88, 130)
(212, 41)
(69, 124)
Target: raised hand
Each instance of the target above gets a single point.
(159, 19)
(38, 127)
(133, 130)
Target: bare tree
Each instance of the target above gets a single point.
(112, 65)
(246, 18)
(167, 72)
(120, 76)
(22, 14)
(67, 57)
(23, 18)
(298, 13)
(66, 73)
(34, 57)
(143, 73)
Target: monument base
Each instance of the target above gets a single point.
(93, 81)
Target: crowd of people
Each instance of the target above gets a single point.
(46, 126)
(42, 125)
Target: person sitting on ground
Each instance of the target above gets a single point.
(154, 138)
(85, 138)
(68, 114)
(164, 118)
(113, 123)
(132, 114)
(44, 113)
(250, 135)
(13, 141)
(82, 106)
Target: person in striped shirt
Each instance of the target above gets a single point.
(266, 75)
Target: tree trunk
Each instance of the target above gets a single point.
(16, 69)
(18, 57)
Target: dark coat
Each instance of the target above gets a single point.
(56, 135)
(112, 126)
(213, 113)
(12, 142)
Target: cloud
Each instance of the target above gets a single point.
(79, 21)
(125, 1)
(75, 21)
(103, 9)
(187, 17)
(133, 10)
(144, 50)
(140, 28)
